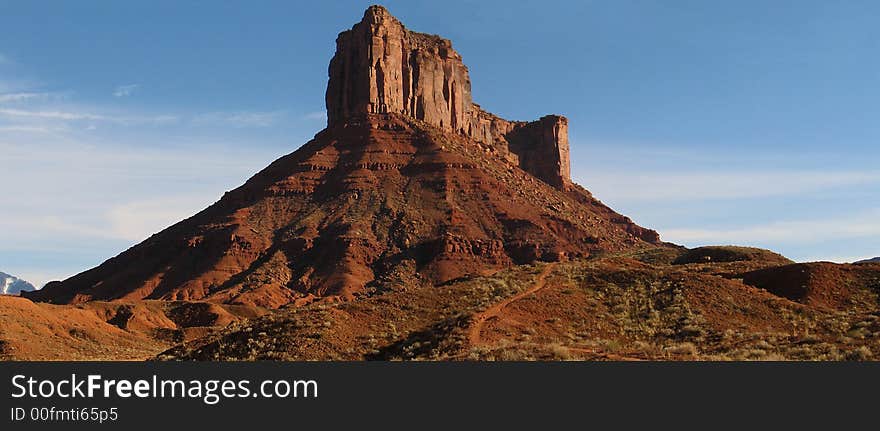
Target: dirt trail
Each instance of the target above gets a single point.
(480, 319)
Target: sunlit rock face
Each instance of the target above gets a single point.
(381, 67)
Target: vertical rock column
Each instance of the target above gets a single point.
(542, 147)
(381, 67)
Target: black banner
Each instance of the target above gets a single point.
(386, 395)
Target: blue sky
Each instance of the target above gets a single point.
(746, 122)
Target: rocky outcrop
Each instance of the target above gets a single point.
(542, 149)
(411, 184)
(381, 67)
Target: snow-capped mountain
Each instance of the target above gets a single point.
(13, 285)
(876, 259)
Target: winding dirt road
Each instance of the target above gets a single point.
(476, 329)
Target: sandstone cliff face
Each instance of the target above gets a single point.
(381, 67)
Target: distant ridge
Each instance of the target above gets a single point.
(11, 285)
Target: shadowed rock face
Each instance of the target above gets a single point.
(410, 184)
(381, 67)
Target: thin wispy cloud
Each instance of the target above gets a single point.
(76, 115)
(51, 225)
(25, 97)
(53, 115)
(316, 116)
(634, 186)
(862, 225)
(26, 129)
(154, 119)
(254, 119)
(131, 221)
(240, 119)
(125, 90)
(137, 220)
(111, 194)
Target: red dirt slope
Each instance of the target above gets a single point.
(821, 284)
(107, 330)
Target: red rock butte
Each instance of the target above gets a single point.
(381, 67)
(410, 184)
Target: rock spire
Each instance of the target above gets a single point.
(381, 67)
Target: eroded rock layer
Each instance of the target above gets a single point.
(381, 199)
